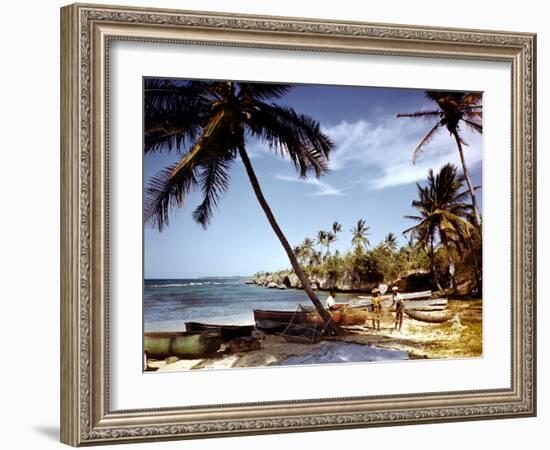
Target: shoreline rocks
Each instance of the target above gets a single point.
(349, 282)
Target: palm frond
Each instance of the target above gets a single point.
(263, 91)
(294, 135)
(474, 125)
(425, 140)
(173, 114)
(167, 190)
(170, 186)
(214, 181)
(424, 114)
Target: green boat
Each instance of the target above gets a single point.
(181, 344)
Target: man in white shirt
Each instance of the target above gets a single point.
(331, 300)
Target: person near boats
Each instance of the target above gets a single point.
(376, 308)
(331, 300)
(399, 303)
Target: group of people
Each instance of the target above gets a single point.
(397, 302)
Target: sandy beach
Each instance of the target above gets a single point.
(460, 337)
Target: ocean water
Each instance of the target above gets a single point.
(168, 304)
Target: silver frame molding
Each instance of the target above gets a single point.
(86, 31)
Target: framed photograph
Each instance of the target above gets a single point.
(277, 225)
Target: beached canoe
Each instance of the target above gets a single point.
(405, 295)
(430, 317)
(277, 321)
(227, 332)
(409, 303)
(181, 344)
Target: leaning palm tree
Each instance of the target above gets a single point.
(390, 242)
(444, 215)
(454, 108)
(208, 123)
(359, 235)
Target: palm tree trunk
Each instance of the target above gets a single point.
(432, 263)
(468, 181)
(474, 204)
(325, 315)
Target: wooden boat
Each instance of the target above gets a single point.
(405, 295)
(181, 344)
(409, 303)
(227, 332)
(277, 321)
(429, 317)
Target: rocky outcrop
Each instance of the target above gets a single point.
(349, 282)
(418, 280)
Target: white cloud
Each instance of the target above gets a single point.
(322, 188)
(385, 149)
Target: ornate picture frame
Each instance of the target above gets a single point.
(86, 34)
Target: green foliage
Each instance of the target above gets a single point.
(384, 263)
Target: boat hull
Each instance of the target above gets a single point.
(277, 321)
(181, 344)
(227, 332)
(429, 317)
(410, 303)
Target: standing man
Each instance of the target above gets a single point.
(376, 309)
(397, 301)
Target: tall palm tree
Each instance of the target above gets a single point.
(359, 235)
(444, 215)
(209, 122)
(321, 239)
(454, 109)
(331, 239)
(336, 228)
(307, 247)
(390, 242)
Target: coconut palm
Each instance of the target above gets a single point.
(454, 109)
(444, 215)
(359, 235)
(209, 123)
(321, 239)
(390, 242)
(331, 239)
(307, 247)
(336, 228)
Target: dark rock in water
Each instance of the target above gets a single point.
(271, 285)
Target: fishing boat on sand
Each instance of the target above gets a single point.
(430, 317)
(405, 295)
(387, 303)
(277, 321)
(227, 332)
(181, 344)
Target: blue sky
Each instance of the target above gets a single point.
(371, 177)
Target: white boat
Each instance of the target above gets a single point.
(406, 295)
(409, 303)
